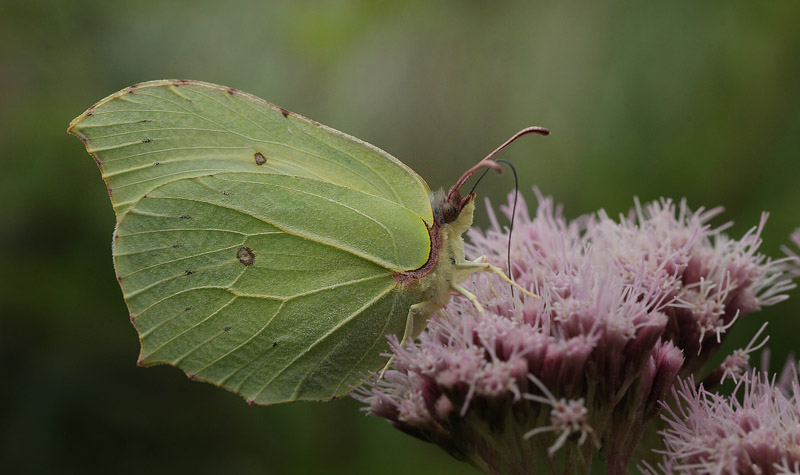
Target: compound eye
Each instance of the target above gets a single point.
(449, 212)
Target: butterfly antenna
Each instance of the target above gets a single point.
(513, 217)
(513, 212)
(472, 190)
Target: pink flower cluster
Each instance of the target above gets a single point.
(626, 306)
(756, 430)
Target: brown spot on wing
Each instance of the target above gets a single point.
(246, 256)
(259, 158)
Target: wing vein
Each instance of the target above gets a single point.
(324, 336)
(317, 239)
(381, 225)
(186, 330)
(130, 295)
(267, 324)
(139, 233)
(380, 337)
(138, 131)
(178, 260)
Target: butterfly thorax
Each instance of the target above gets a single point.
(448, 252)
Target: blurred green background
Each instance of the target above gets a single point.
(680, 99)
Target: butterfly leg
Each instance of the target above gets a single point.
(418, 316)
(468, 295)
(480, 265)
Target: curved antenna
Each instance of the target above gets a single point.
(487, 161)
(513, 212)
(472, 190)
(513, 217)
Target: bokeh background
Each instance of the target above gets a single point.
(676, 99)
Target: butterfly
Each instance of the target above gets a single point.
(264, 252)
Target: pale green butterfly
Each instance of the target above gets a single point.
(264, 252)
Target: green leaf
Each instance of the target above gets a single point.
(256, 249)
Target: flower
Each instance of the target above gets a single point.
(793, 260)
(735, 364)
(626, 306)
(567, 418)
(755, 430)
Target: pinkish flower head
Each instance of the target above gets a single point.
(626, 305)
(737, 363)
(755, 430)
(567, 418)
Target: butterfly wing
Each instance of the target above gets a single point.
(255, 249)
(158, 131)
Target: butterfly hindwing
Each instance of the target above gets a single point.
(218, 285)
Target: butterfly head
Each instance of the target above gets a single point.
(448, 206)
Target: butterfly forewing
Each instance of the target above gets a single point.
(159, 131)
